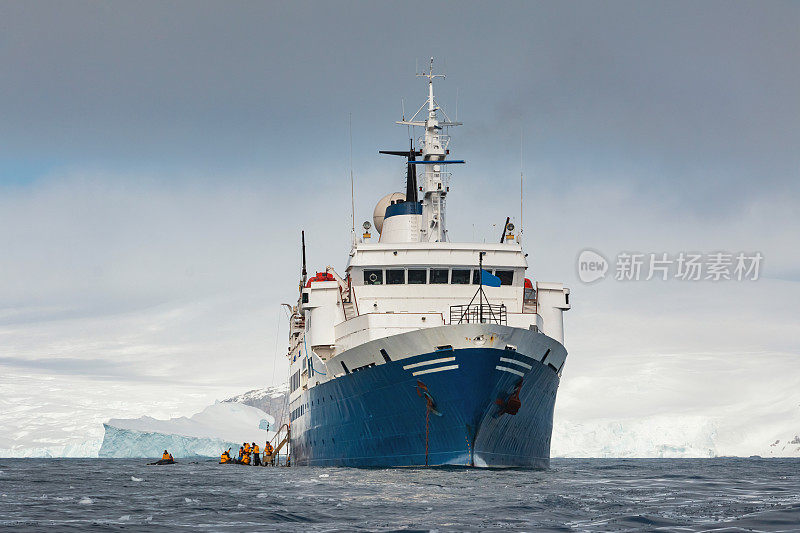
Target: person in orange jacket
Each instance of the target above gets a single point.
(256, 455)
(225, 457)
(268, 454)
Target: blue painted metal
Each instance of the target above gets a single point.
(489, 279)
(376, 417)
(403, 208)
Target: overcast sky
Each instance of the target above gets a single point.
(158, 161)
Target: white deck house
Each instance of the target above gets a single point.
(394, 288)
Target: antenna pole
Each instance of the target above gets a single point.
(480, 286)
(519, 235)
(303, 271)
(403, 108)
(352, 185)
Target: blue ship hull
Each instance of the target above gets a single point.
(381, 416)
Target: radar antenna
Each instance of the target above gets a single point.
(434, 150)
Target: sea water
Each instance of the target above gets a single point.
(573, 495)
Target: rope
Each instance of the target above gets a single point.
(427, 426)
(422, 392)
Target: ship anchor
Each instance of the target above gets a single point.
(511, 404)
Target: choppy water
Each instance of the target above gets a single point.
(573, 495)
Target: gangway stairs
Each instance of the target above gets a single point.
(279, 442)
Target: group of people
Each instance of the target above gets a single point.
(166, 459)
(248, 454)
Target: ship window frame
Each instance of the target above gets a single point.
(402, 273)
(476, 276)
(379, 276)
(460, 270)
(431, 275)
(503, 274)
(304, 299)
(417, 270)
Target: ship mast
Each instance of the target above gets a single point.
(434, 150)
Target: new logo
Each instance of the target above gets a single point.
(591, 266)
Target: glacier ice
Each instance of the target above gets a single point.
(655, 436)
(205, 434)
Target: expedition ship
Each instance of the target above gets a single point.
(426, 352)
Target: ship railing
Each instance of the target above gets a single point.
(444, 140)
(479, 314)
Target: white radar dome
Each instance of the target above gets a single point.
(383, 203)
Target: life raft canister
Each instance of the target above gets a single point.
(321, 276)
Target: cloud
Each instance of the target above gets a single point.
(96, 368)
(693, 107)
(156, 172)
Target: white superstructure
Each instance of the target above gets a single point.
(412, 279)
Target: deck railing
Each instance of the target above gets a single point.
(477, 314)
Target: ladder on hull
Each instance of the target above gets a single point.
(274, 459)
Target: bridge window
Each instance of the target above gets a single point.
(417, 276)
(373, 277)
(460, 277)
(476, 277)
(395, 277)
(506, 276)
(439, 275)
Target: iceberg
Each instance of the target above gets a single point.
(205, 434)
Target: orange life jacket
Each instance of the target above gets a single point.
(165, 456)
(256, 449)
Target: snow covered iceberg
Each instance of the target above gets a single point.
(205, 434)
